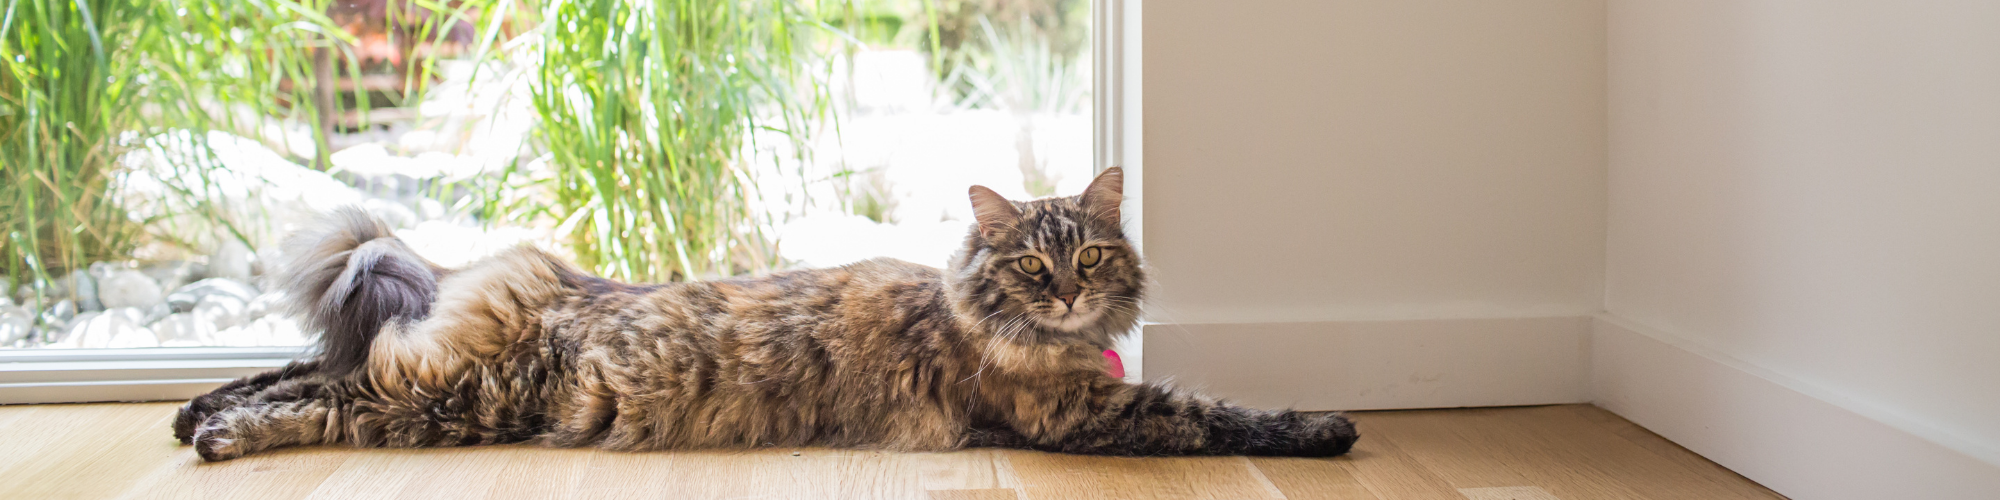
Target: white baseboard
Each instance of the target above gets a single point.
(1368, 365)
(1789, 441)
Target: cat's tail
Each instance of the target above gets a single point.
(346, 277)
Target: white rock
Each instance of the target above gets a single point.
(397, 215)
(61, 313)
(263, 305)
(417, 140)
(101, 270)
(267, 261)
(285, 331)
(16, 323)
(184, 329)
(129, 288)
(175, 274)
(155, 313)
(184, 299)
(70, 336)
(262, 193)
(369, 159)
(266, 331)
(252, 334)
(220, 310)
(431, 209)
(231, 260)
(135, 336)
(452, 245)
(84, 289)
(130, 313)
(116, 328)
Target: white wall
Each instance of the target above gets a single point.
(1813, 189)
(1314, 160)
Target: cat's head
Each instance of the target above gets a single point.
(1051, 267)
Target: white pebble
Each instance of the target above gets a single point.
(129, 288)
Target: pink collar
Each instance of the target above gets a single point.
(1117, 366)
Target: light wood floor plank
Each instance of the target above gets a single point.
(863, 474)
(1569, 452)
(694, 475)
(367, 475)
(286, 474)
(1054, 476)
(1313, 478)
(974, 469)
(1665, 449)
(539, 473)
(1386, 471)
(1577, 440)
(87, 451)
(1481, 448)
(11, 413)
(985, 494)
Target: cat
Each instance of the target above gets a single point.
(1002, 349)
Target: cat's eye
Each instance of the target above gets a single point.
(1089, 257)
(1030, 264)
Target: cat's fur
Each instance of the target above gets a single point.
(882, 354)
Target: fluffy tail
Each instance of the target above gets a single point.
(347, 277)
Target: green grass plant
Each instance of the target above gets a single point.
(647, 111)
(1027, 74)
(83, 82)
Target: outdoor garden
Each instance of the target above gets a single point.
(153, 155)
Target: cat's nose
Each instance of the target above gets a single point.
(1069, 299)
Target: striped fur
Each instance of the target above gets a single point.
(523, 347)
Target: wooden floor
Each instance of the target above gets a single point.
(1531, 453)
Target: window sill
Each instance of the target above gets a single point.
(93, 375)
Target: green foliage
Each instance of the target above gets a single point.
(82, 82)
(1022, 72)
(958, 31)
(1028, 75)
(877, 23)
(647, 109)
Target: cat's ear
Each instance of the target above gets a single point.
(993, 211)
(1105, 193)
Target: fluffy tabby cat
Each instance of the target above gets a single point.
(1002, 349)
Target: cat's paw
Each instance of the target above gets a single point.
(216, 445)
(1303, 434)
(197, 410)
(215, 440)
(1325, 434)
(188, 418)
(995, 437)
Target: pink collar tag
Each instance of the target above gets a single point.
(1117, 366)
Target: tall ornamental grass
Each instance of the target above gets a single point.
(647, 109)
(82, 82)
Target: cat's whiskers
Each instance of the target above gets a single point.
(999, 335)
(985, 358)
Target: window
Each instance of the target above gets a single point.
(136, 246)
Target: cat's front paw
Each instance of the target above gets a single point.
(189, 417)
(216, 445)
(197, 410)
(217, 439)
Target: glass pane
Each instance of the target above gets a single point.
(154, 164)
